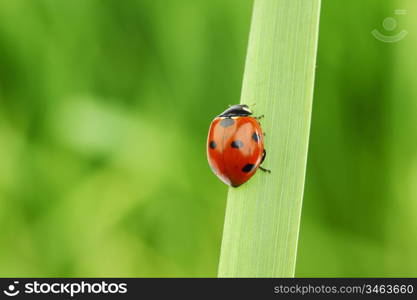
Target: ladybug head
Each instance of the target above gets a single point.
(236, 110)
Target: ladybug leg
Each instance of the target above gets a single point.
(264, 170)
(259, 117)
(262, 160)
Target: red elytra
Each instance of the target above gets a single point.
(235, 147)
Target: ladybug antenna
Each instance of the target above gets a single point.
(251, 105)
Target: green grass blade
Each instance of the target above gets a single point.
(263, 216)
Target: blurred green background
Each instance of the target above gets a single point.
(104, 111)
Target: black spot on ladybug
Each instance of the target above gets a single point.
(213, 144)
(247, 168)
(237, 144)
(255, 137)
(226, 122)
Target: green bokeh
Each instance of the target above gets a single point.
(104, 111)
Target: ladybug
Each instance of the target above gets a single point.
(235, 145)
